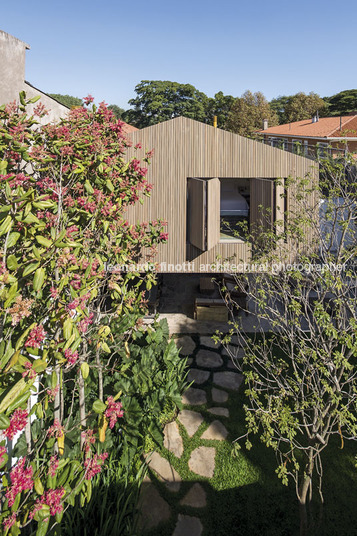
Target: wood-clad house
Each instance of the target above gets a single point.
(204, 177)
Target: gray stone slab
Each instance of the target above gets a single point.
(221, 412)
(153, 509)
(195, 497)
(208, 359)
(228, 380)
(198, 376)
(216, 431)
(164, 470)
(186, 345)
(194, 397)
(202, 461)
(219, 396)
(188, 526)
(191, 420)
(209, 342)
(172, 439)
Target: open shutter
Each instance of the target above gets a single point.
(261, 204)
(213, 212)
(197, 212)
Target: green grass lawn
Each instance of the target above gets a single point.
(245, 496)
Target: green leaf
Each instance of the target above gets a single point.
(43, 241)
(4, 421)
(13, 393)
(67, 328)
(39, 278)
(6, 225)
(99, 406)
(30, 268)
(13, 238)
(88, 187)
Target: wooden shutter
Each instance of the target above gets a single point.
(213, 212)
(261, 204)
(197, 212)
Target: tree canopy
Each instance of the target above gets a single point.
(67, 100)
(248, 112)
(302, 106)
(342, 103)
(158, 101)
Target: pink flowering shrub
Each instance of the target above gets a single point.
(64, 192)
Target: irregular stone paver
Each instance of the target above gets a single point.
(221, 412)
(196, 497)
(232, 365)
(152, 508)
(164, 471)
(191, 420)
(208, 359)
(216, 431)
(189, 361)
(229, 380)
(219, 396)
(202, 462)
(198, 376)
(172, 439)
(186, 344)
(188, 526)
(194, 397)
(209, 342)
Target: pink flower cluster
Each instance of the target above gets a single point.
(53, 466)
(51, 393)
(83, 324)
(71, 357)
(18, 421)
(36, 337)
(9, 521)
(30, 372)
(88, 438)
(93, 465)
(3, 451)
(114, 411)
(21, 480)
(56, 430)
(51, 498)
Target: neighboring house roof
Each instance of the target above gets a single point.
(128, 128)
(325, 127)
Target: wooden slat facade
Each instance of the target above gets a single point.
(184, 149)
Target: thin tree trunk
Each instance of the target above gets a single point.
(28, 428)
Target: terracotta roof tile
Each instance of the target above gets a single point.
(325, 127)
(128, 128)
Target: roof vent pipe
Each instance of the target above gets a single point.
(265, 124)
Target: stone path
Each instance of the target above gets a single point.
(214, 376)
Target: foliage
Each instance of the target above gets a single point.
(302, 106)
(64, 189)
(117, 111)
(112, 508)
(300, 376)
(343, 103)
(278, 105)
(67, 100)
(248, 112)
(219, 106)
(158, 101)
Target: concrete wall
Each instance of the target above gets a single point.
(12, 78)
(12, 66)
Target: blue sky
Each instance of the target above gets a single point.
(106, 47)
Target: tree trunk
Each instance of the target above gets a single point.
(302, 506)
